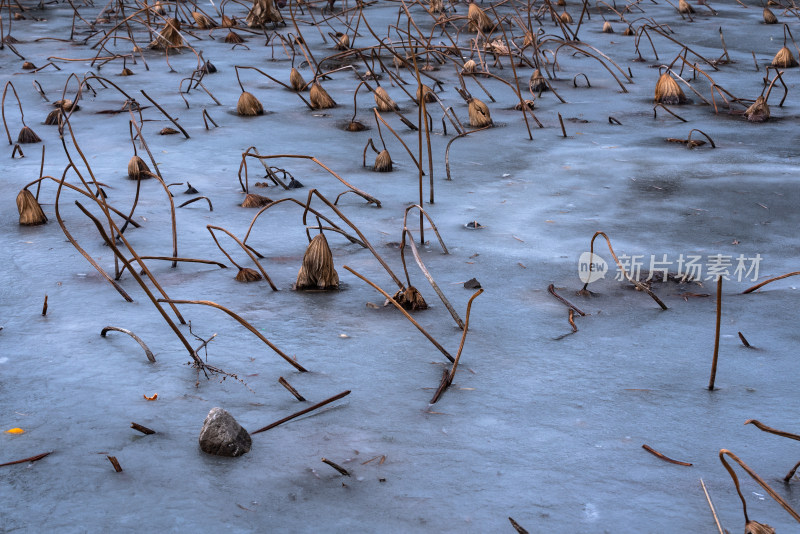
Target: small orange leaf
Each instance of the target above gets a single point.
(15, 431)
(154, 397)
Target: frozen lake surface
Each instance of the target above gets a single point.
(540, 424)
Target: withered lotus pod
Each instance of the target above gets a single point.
(561, 3)
(759, 111)
(478, 20)
(169, 37)
(384, 101)
(233, 38)
(168, 131)
(317, 271)
(26, 135)
(383, 162)
(158, 9)
(479, 115)
(530, 104)
(537, 83)
(429, 96)
(53, 117)
(126, 72)
(435, 6)
(469, 67)
(255, 201)
(248, 105)
(410, 299)
(668, 91)
(28, 66)
(320, 99)
(355, 126)
(343, 41)
(628, 32)
(754, 527)
(209, 67)
(784, 59)
(684, 7)
(247, 275)
(30, 212)
(202, 21)
(566, 18)
(228, 22)
(66, 105)
(263, 12)
(138, 169)
(296, 79)
(607, 27)
(769, 16)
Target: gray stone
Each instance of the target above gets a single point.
(222, 435)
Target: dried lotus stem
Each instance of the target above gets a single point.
(338, 467)
(761, 426)
(247, 251)
(303, 412)
(447, 378)
(399, 307)
(26, 460)
(147, 351)
(244, 323)
(765, 282)
(654, 452)
(636, 283)
(716, 335)
(282, 381)
(754, 476)
(552, 290)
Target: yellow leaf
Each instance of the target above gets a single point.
(15, 431)
(154, 397)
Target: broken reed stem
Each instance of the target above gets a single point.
(339, 468)
(711, 506)
(716, 335)
(167, 115)
(147, 351)
(571, 319)
(247, 251)
(638, 284)
(744, 340)
(761, 426)
(303, 411)
(31, 459)
(242, 322)
(143, 429)
(754, 476)
(198, 362)
(552, 290)
(183, 260)
(115, 463)
(282, 381)
(399, 307)
(75, 244)
(561, 121)
(765, 282)
(791, 473)
(44, 306)
(654, 452)
(517, 527)
(463, 334)
(427, 274)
